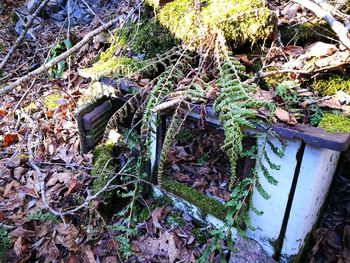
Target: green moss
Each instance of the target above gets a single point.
(206, 204)
(50, 101)
(179, 17)
(242, 21)
(331, 85)
(199, 235)
(274, 80)
(175, 220)
(4, 244)
(110, 66)
(147, 37)
(101, 166)
(304, 33)
(96, 91)
(332, 122)
(163, 200)
(2, 47)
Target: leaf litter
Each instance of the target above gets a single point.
(164, 235)
(35, 233)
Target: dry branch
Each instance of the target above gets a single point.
(41, 178)
(24, 32)
(336, 26)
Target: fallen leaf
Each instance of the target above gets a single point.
(320, 49)
(11, 188)
(49, 251)
(284, 116)
(90, 256)
(172, 250)
(156, 216)
(8, 139)
(244, 59)
(72, 185)
(3, 113)
(264, 95)
(293, 51)
(18, 247)
(67, 236)
(61, 101)
(290, 11)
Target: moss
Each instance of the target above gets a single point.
(175, 220)
(306, 32)
(332, 122)
(110, 66)
(206, 204)
(101, 165)
(163, 200)
(275, 79)
(147, 37)
(331, 85)
(242, 21)
(96, 91)
(180, 19)
(2, 47)
(199, 235)
(50, 101)
(4, 244)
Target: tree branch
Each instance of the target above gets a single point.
(25, 30)
(64, 55)
(336, 26)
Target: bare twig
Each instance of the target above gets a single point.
(64, 55)
(332, 9)
(320, 12)
(92, 197)
(41, 177)
(24, 32)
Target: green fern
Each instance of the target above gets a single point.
(234, 106)
(164, 86)
(129, 108)
(171, 132)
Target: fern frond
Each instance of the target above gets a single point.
(261, 190)
(232, 110)
(173, 129)
(123, 112)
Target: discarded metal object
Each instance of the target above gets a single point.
(306, 173)
(93, 118)
(307, 169)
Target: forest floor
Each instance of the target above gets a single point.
(39, 142)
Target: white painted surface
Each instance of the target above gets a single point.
(153, 138)
(269, 224)
(316, 173)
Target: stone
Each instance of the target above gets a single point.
(250, 251)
